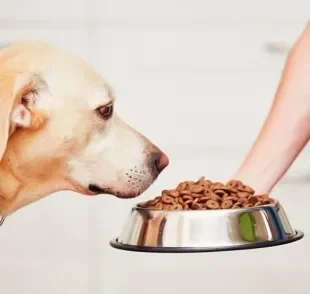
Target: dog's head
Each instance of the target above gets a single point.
(59, 129)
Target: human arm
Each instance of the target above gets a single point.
(286, 129)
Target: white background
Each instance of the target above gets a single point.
(197, 77)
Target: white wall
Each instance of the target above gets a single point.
(197, 77)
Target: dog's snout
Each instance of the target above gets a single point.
(161, 162)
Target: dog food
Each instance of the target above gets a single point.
(206, 195)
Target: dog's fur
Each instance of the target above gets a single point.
(52, 136)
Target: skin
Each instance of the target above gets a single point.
(287, 128)
(55, 134)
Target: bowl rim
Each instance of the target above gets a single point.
(275, 204)
(259, 245)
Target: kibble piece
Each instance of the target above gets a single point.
(220, 193)
(203, 199)
(188, 202)
(187, 197)
(243, 194)
(159, 206)
(168, 200)
(212, 204)
(215, 197)
(227, 204)
(175, 207)
(239, 203)
(247, 189)
(267, 201)
(234, 184)
(201, 180)
(197, 189)
(242, 200)
(154, 201)
(196, 195)
(174, 193)
(196, 206)
(165, 193)
(253, 199)
(185, 192)
(236, 206)
(248, 205)
(181, 187)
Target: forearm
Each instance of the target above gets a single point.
(287, 128)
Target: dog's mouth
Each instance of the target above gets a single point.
(96, 190)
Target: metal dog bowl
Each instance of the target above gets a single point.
(182, 231)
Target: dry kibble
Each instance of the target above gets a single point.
(243, 194)
(197, 189)
(168, 200)
(242, 200)
(187, 197)
(159, 205)
(215, 197)
(236, 206)
(185, 207)
(212, 204)
(181, 186)
(204, 194)
(247, 189)
(153, 202)
(185, 192)
(201, 180)
(188, 202)
(227, 204)
(196, 195)
(165, 193)
(253, 200)
(203, 199)
(235, 184)
(267, 201)
(196, 206)
(174, 193)
(176, 207)
(220, 193)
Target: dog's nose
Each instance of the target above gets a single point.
(161, 162)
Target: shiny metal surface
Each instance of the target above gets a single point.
(219, 229)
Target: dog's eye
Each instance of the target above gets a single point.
(105, 111)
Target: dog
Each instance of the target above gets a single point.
(59, 131)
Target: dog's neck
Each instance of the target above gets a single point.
(10, 189)
(14, 193)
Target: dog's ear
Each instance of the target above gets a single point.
(6, 101)
(13, 111)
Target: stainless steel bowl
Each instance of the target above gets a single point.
(206, 230)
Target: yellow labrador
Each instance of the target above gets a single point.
(59, 131)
